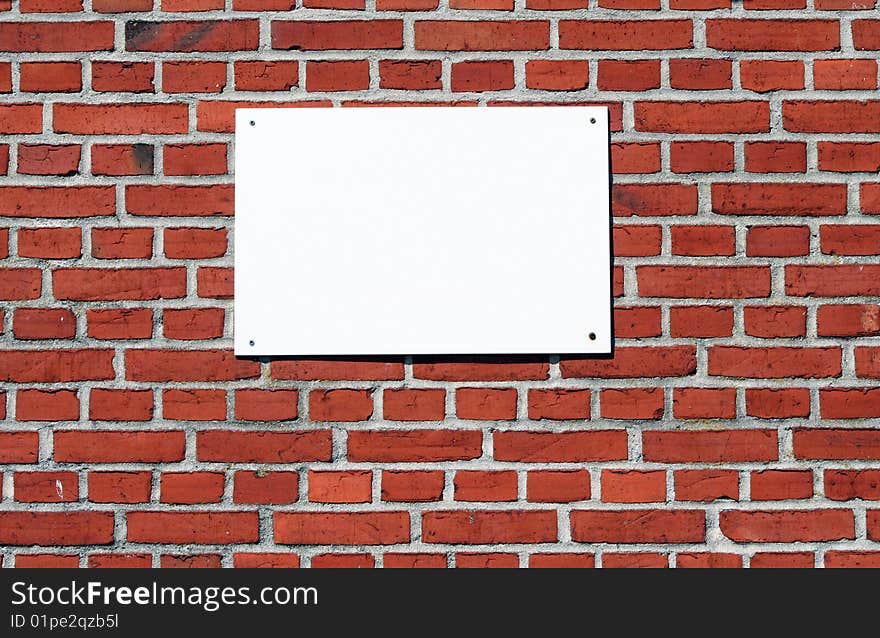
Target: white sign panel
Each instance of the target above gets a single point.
(422, 231)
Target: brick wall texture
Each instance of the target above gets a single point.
(734, 426)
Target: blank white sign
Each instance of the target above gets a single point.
(422, 231)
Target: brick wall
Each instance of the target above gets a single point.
(733, 427)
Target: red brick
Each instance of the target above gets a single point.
(107, 404)
(779, 199)
(634, 157)
(633, 486)
(56, 528)
(835, 320)
(119, 487)
(264, 560)
(477, 369)
(706, 485)
(778, 241)
(194, 405)
(263, 447)
(634, 323)
(122, 159)
(57, 201)
(18, 447)
(476, 485)
(185, 527)
(777, 403)
(701, 157)
(634, 362)
(846, 485)
(851, 560)
(47, 159)
(122, 243)
(265, 405)
(701, 321)
(339, 75)
(486, 403)
(191, 487)
(408, 404)
(489, 527)
(50, 243)
(700, 74)
(192, 35)
(772, 35)
(837, 444)
(133, 77)
(56, 365)
(353, 486)
(842, 75)
(831, 116)
(781, 485)
(266, 488)
(866, 35)
(131, 561)
(193, 323)
(629, 75)
(850, 239)
(709, 282)
(413, 486)
(703, 240)
(46, 487)
(763, 76)
(623, 560)
(653, 199)
(47, 405)
(787, 526)
(724, 446)
(337, 369)
(314, 35)
(195, 243)
(415, 75)
(413, 445)
(499, 560)
(95, 284)
(703, 117)
(775, 560)
(187, 365)
(558, 486)
(397, 560)
(705, 560)
(340, 405)
(46, 37)
(43, 323)
(564, 561)
(196, 561)
(638, 526)
(264, 75)
(123, 323)
(704, 403)
(775, 321)
(342, 528)
(195, 159)
(773, 363)
(849, 157)
(557, 75)
(632, 403)
(460, 35)
(832, 281)
(486, 75)
(119, 119)
(625, 35)
(562, 447)
(189, 201)
(95, 446)
(558, 404)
